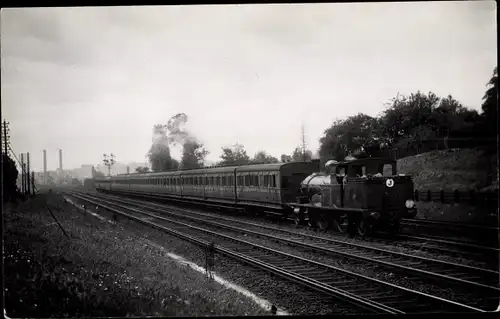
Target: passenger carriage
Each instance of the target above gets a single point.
(256, 187)
(269, 186)
(219, 184)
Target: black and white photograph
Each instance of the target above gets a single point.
(250, 159)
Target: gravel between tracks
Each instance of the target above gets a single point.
(378, 272)
(277, 291)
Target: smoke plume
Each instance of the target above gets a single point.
(171, 134)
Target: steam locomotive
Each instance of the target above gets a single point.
(354, 195)
(359, 196)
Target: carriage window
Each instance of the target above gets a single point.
(256, 180)
(223, 180)
(273, 180)
(266, 180)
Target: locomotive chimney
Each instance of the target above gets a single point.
(45, 167)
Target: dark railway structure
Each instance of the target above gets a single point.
(358, 196)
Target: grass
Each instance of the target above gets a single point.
(101, 270)
(461, 169)
(451, 169)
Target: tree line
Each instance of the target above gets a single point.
(407, 121)
(413, 120)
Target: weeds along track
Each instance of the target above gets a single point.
(368, 293)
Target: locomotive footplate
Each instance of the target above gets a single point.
(327, 217)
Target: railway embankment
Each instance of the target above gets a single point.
(462, 169)
(103, 269)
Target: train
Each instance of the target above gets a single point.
(357, 196)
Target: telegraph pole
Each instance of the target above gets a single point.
(22, 173)
(109, 162)
(28, 184)
(33, 182)
(303, 143)
(6, 137)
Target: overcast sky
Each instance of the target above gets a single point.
(95, 80)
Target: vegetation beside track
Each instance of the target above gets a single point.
(101, 270)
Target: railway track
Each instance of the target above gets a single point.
(439, 223)
(452, 247)
(431, 243)
(401, 299)
(474, 277)
(444, 246)
(468, 234)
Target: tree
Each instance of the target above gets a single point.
(193, 155)
(263, 157)
(451, 118)
(9, 178)
(235, 155)
(407, 118)
(160, 158)
(359, 135)
(285, 158)
(489, 107)
(142, 169)
(298, 155)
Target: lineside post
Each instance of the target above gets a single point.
(33, 182)
(28, 177)
(210, 260)
(22, 173)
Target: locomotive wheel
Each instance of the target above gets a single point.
(299, 218)
(340, 224)
(395, 229)
(364, 228)
(322, 222)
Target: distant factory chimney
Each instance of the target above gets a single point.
(45, 167)
(128, 170)
(60, 161)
